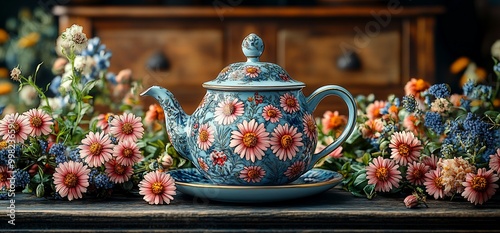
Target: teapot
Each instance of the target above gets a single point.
(254, 125)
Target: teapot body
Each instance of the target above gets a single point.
(252, 137)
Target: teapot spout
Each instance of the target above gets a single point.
(175, 118)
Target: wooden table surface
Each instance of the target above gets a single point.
(333, 210)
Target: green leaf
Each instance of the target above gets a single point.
(366, 158)
(370, 191)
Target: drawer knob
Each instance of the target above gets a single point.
(158, 62)
(349, 61)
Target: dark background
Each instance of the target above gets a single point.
(468, 28)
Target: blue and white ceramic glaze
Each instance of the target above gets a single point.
(254, 125)
(189, 181)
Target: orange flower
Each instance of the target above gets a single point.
(332, 121)
(28, 40)
(4, 36)
(415, 87)
(460, 64)
(5, 88)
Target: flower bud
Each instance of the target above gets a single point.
(411, 201)
(40, 190)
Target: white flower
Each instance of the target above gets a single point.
(29, 95)
(495, 49)
(73, 39)
(84, 64)
(441, 105)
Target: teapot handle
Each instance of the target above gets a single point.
(313, 101)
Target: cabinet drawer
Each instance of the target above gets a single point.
(195, 56)
(311, 56)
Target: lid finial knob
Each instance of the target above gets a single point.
(252, 47)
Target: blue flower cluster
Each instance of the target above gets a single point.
(101, 57)
(59, 151)
(409, 103)
(440, 90)
(74, 155)
(477, 91)
(22, 178)
(470, 134)
(100, 180)
(434, 121)
(4, 155)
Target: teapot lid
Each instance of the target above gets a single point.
(253, 75)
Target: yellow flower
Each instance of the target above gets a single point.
(3, 144)
(4, 72)
(4, 36)
(28, 40)
(5, 88)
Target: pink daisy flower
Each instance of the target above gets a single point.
(252, 174)
(205, 136)
(218, 158)
(289, 103)
(17, 124)
(103, 122)
(295, 169)
(127, 127)
(480, 187)
(285, 141)
(71, 179)
(4, 177)
(127, 153)
(40, 122)
(117, 172)
(383, 173)
(405, 147)
(228, 110)
(373, 110)
(309, 126)
(416, 173)
(410, 123)
(271, 113)
(96, 149)
(252, 71)
(494, 163)
(332, 121)
(431, 161)
(250, 140)
(433, 184)
(157, 188)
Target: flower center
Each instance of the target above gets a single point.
(253, 174)
(251, 70)
(228, 109)
(311, 126)
(417, 174)
(70, 180)
(16, 127)
(119, 169)
(335, 122)
(286, 141)
(3, 176)
(157, 188)
(203, 136)
(127, 128)
(250, 139)
(296, 170)
(382, 174)
(36, 121)
(438, 183)
(291, 102)
(78, 38)
(95, 148)
(271, 113)
(127, 152)
(404, 150)
(479, 183)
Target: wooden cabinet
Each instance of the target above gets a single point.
(364, 49)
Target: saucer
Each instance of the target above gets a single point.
(191, 182)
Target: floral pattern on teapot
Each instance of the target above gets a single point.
(243, 135)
